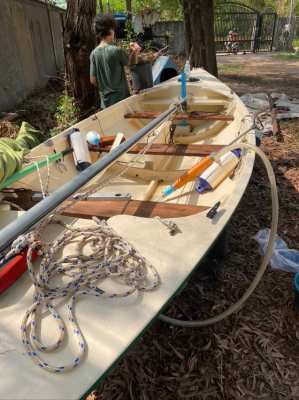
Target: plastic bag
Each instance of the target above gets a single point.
(282, 258)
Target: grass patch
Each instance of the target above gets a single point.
(66, 114)
(296, 43)
(252, 80)
(51, 110)
(227, 68)
(287, 56)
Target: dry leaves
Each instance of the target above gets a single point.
(7, 129)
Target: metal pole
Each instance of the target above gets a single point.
(40, 210)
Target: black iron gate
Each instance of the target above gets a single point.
(239, 28)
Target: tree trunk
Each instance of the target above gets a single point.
(108, 8)
(79, 41)
(187, 27)
(129, 9)
(101, 6)
(200, 35)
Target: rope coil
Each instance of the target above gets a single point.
(111, 257)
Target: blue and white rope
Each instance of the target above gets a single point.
(111, 256)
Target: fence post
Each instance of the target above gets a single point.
(257, 36)
(52, 36)
(273, 32)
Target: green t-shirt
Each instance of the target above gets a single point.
(107, 65)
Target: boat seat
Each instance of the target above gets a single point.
(194, 116)
(193, 102)
(147, 209)
(191, 150)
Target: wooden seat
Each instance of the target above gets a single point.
(148, 209)
(193, 116)
(195, 101)
(191, 150)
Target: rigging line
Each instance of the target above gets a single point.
(106, 181)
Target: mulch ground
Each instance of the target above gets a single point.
(253, 354)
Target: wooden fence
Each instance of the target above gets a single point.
(31, 48)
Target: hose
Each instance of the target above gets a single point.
(275, 210)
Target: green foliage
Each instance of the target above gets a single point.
(169, 9)
(129, 31)
(58, 3)
(280, 6)
(66, 114)
(288, 56)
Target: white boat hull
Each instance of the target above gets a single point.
(111, 326)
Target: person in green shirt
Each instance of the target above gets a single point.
(107, 63)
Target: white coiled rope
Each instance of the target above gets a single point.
(110, 256)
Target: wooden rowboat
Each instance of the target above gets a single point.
(130, 203)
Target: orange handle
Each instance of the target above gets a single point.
(194, 172)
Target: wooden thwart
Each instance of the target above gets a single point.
(196, 116)
(158, 149)
(148, 209)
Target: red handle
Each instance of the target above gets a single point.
(14, 269)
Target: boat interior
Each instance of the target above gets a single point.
(214, 117)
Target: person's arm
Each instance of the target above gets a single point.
(93, 79)
(133, 54)
(135, 50)
(130, 59)
(133, 58)
(124, 58)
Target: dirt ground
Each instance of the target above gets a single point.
(260, 72)
(255, 353)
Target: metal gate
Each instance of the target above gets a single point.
(239, 28)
